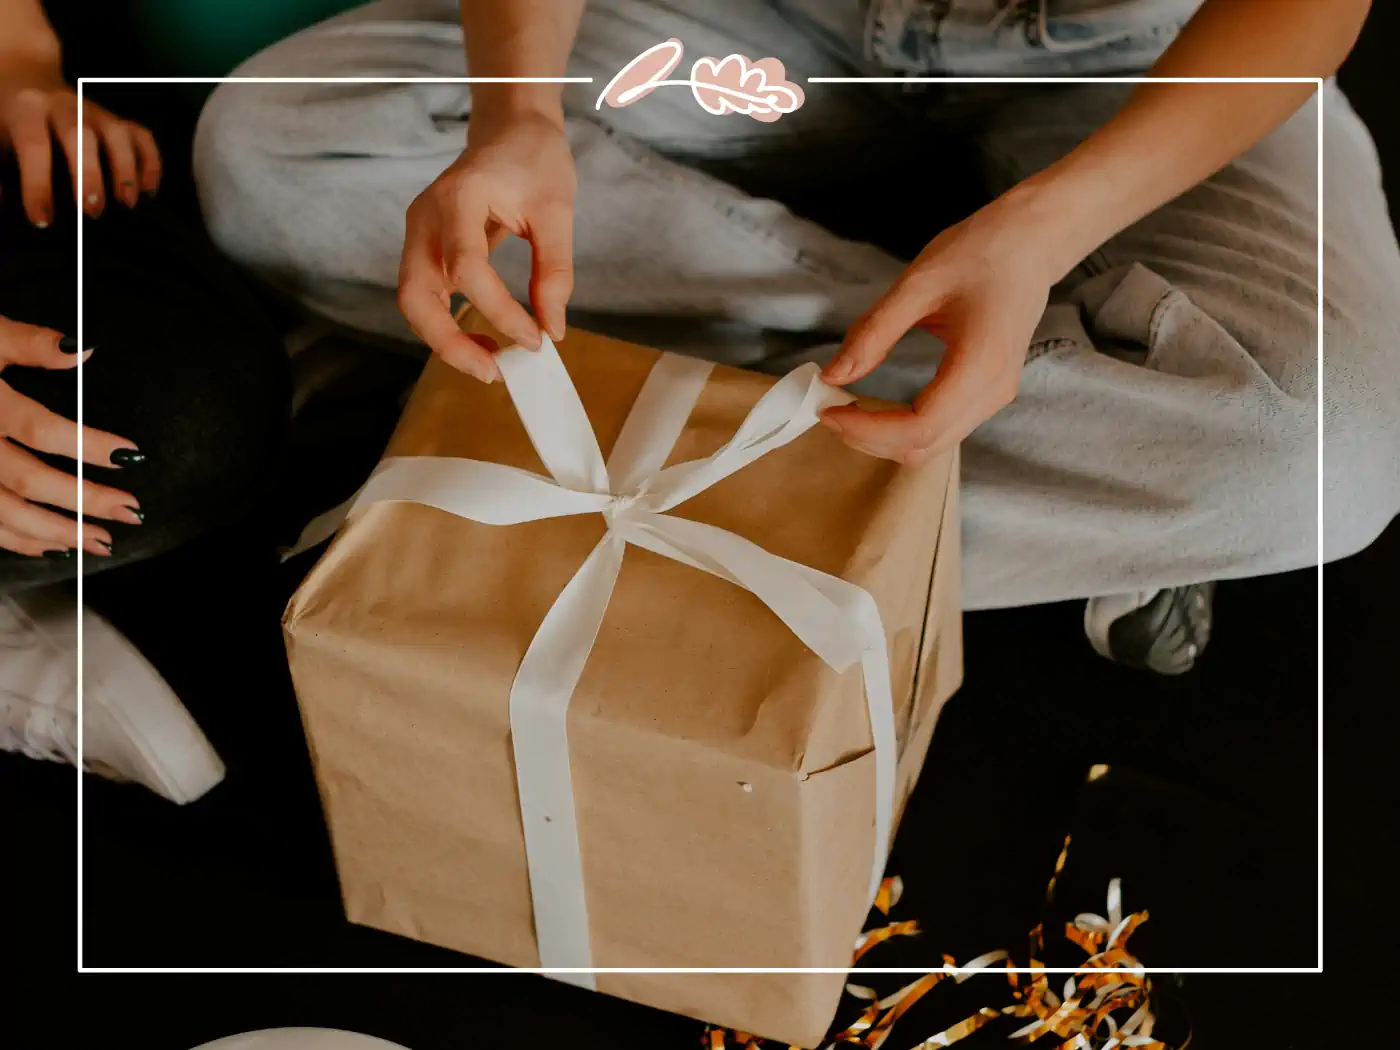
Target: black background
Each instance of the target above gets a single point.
(1209, 815)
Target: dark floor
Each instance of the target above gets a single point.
(1209, 815)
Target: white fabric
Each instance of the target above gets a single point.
(835, 619)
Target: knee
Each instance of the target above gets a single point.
(1361, 430)
(235, 169)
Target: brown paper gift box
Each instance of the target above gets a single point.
(724, 775)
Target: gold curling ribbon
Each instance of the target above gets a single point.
(1110, 981)
(871, 938)
(961, 1030)
(891, 889)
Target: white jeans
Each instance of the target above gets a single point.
(1166, 428)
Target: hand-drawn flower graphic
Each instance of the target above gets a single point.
(735, 85)
(724, 86)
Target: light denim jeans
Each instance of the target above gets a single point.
(1166, 428)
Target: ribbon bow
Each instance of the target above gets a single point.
(633, 491)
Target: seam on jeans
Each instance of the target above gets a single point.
(1155, 316)
(1044, 346)
(1173, 297)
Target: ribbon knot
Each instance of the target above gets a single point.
(618, 507)
(633, 490)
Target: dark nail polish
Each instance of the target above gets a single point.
(140, 514)
(63, 555)
(128, 457)
(68, 345)
(104, 545)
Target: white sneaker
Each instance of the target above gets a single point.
(134, 727)
(300, 1039)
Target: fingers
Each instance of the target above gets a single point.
(907, 302)
(466, 257)
(26, 545)
(94, 191)
(56, 532)
(63, 114)
(424, 299)
(31, 479)
(35, 427)
(148, 158)
(63, 117)
(121, 159)
(552, 278)
(967, 390)
(27, 344)
(28, 129)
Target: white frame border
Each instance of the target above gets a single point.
(1320, 85)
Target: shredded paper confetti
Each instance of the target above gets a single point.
(1104, 1005)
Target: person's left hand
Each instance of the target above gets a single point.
(981, 287)
(34, 109)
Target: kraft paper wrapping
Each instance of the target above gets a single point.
(723, 773)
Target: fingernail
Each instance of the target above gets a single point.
(92, 198)
(837, 370)
(136, 513)
(105, 546)
(833, 423)
(127, 457)
(68, 345)
(60, 555)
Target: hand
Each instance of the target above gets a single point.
(516, 176)
(980, 286)
(26, 483)
(34, 108)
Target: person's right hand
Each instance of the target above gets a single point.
(34, 110)
(516, 176)
(28, 486)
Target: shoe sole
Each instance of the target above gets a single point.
(175, 753)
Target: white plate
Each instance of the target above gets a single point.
(300, 1039)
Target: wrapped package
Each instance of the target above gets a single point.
(571, 734)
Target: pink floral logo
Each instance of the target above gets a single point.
(721, 86)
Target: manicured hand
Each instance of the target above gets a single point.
(28, 486)
(516, 176)
(980, 286)
(31, 114)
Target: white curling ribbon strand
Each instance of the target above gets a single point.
(837, 620)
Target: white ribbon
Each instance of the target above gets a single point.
(835, 619)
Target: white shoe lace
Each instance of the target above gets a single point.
(37, 730)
